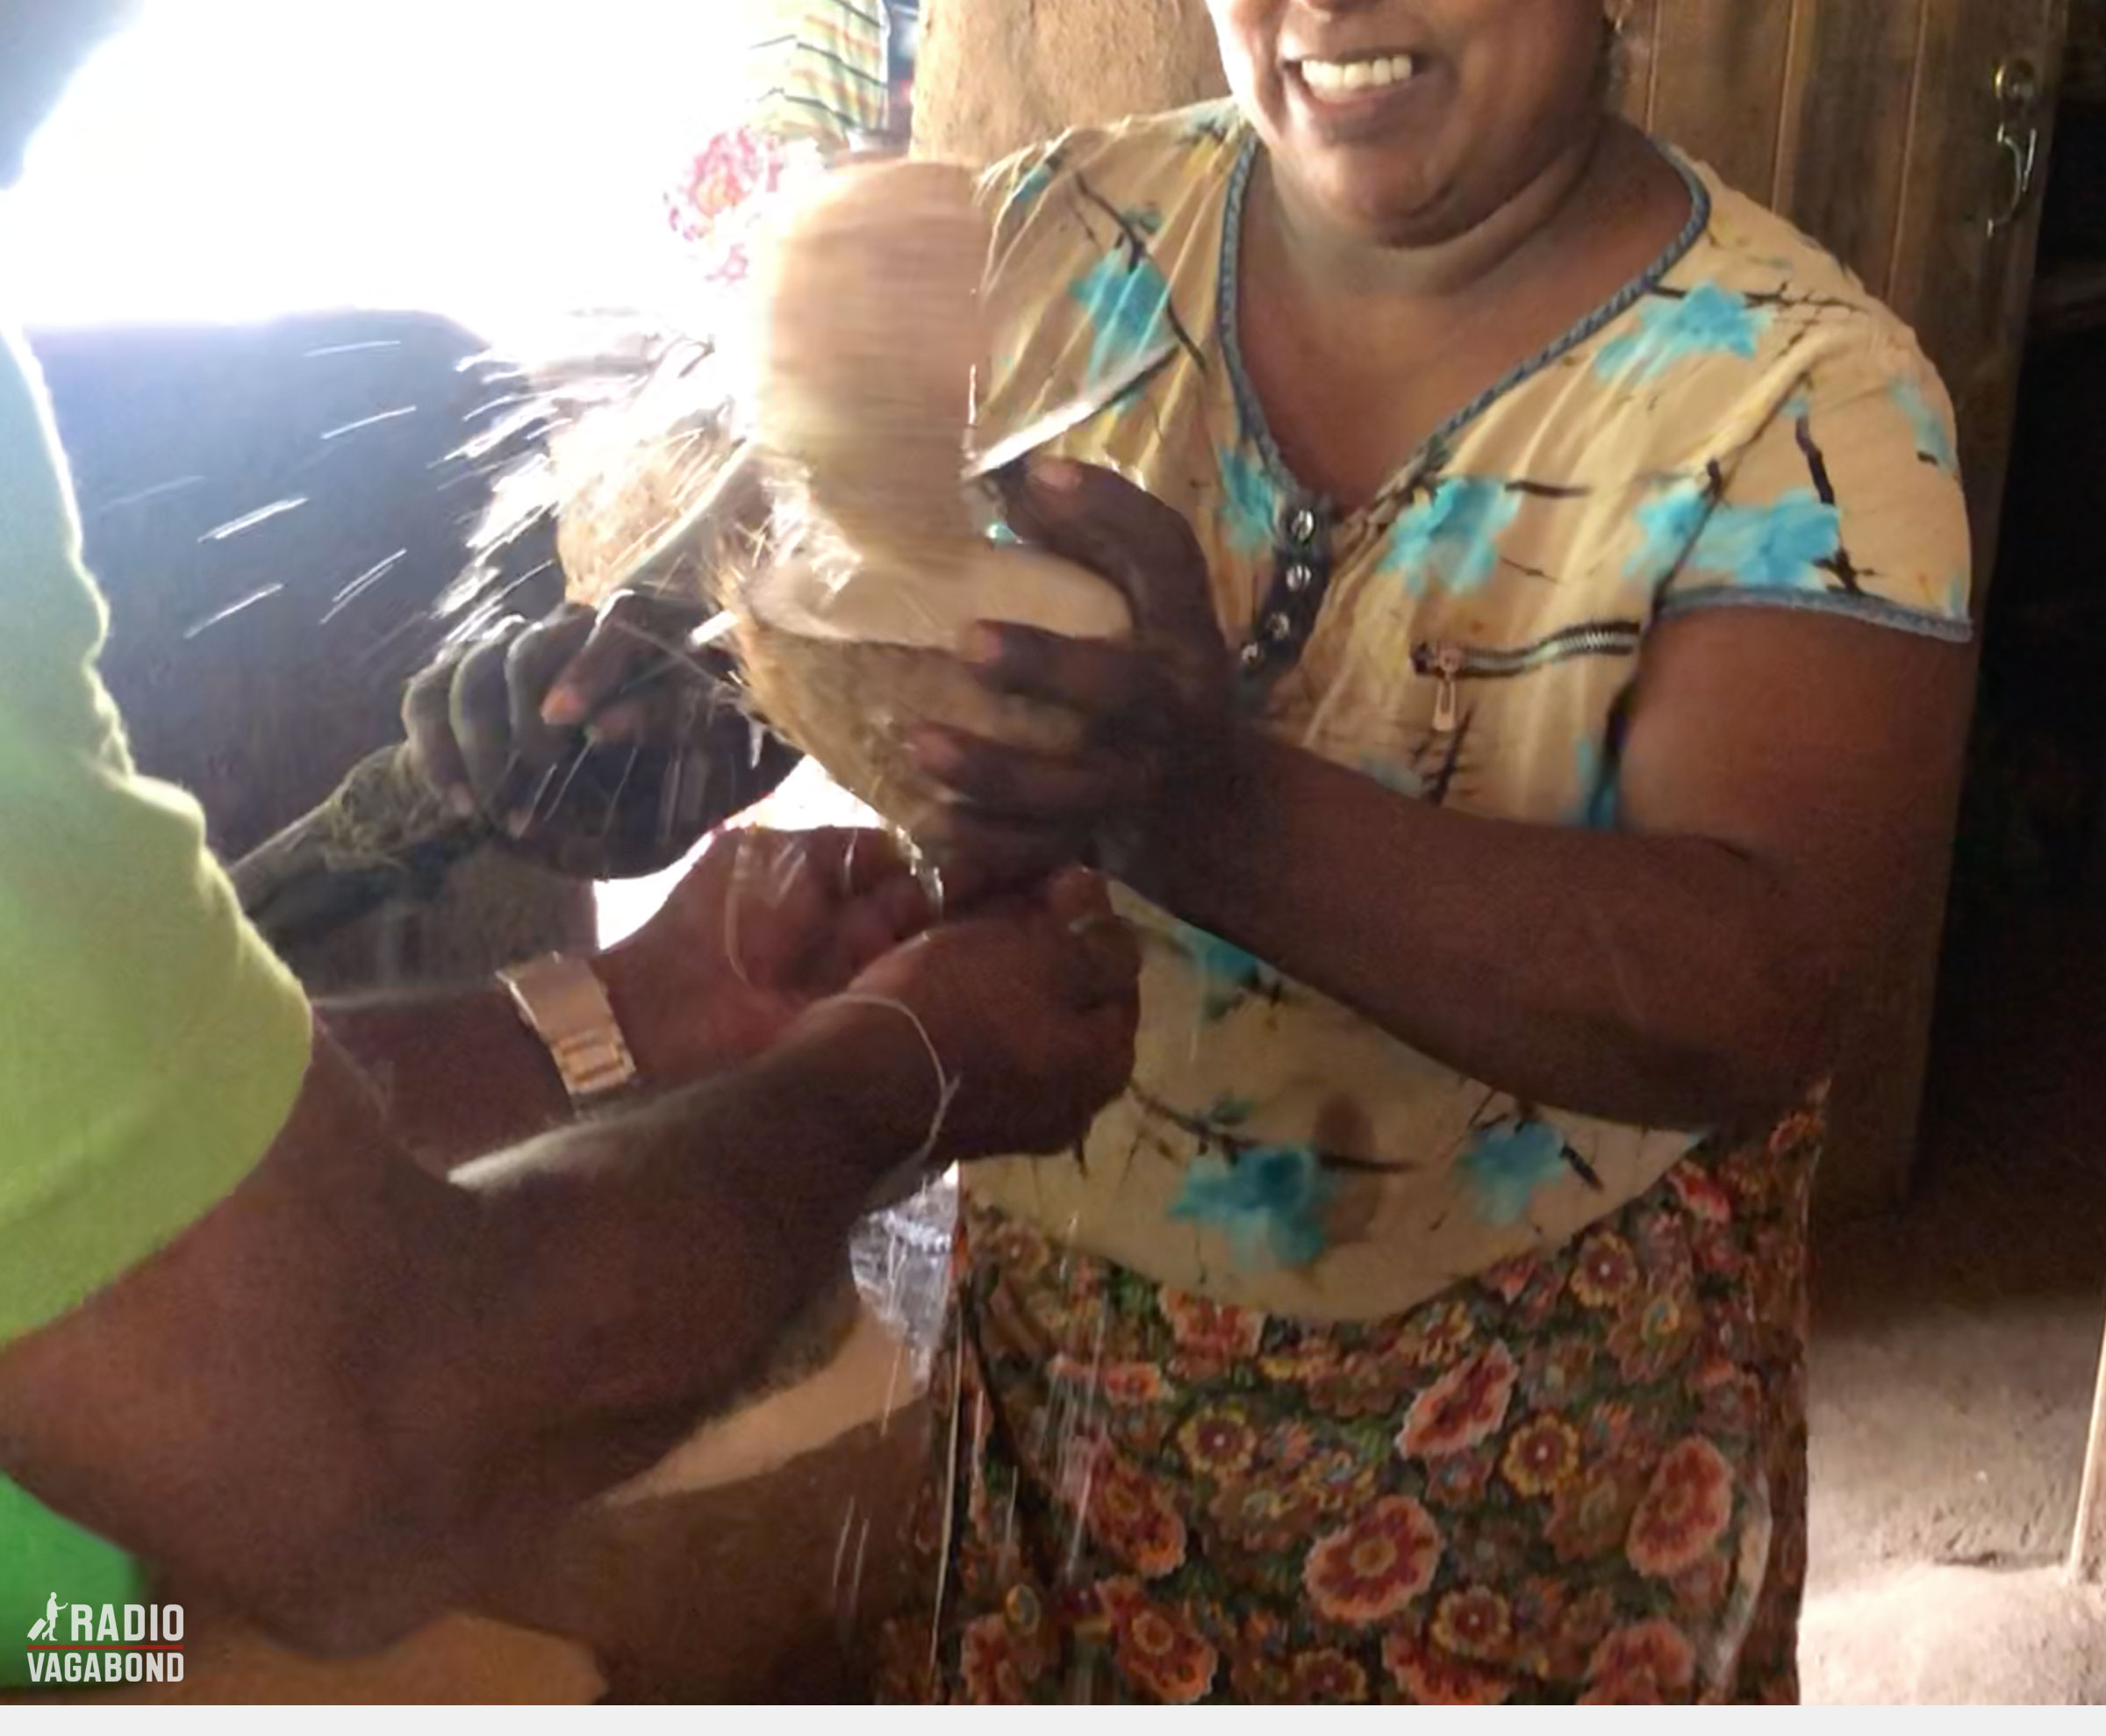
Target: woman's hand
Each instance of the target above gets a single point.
(594, 741)
(1028, 1009)
(763, 926)
(1159, 708)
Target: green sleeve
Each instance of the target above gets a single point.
(150, 1044)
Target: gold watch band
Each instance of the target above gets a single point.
(564, 1003)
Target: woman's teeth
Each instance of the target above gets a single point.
(1338, 78)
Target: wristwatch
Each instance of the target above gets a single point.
(564, 1003)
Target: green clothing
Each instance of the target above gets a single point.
(150, 1046)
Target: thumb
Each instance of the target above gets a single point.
(635, 636)
(1097, 519)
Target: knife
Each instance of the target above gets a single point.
(1071, 415)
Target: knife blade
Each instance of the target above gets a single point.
(1045, 429)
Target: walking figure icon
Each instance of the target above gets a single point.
(48, 1628)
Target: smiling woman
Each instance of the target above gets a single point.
(1551, 582)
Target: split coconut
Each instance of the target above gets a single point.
(850, 631)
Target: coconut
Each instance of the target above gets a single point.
(849, 631)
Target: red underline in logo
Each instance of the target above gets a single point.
(104, 1645)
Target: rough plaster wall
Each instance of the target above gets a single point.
(995, 75)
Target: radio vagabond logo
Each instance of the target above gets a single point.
(106, 1643)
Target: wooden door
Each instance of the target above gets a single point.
(1911, 137)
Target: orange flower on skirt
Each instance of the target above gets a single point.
(1375, 1567)
(1541, 1456)
(1439, 1333)
(1462, 1407)
(1684, 1512)
(1210, 1333)
(1158, 1650)
(1218, 1443)
(1695, 1188)
(1432, 1678)
(1606, 1272)
(1119, 1382)
(988, 1664)
(1131, 1516)
(1327, 1678)
(1475, 1623)
(1649, 1664)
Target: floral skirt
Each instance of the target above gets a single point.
(1579, 1476)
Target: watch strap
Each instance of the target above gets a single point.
(564, 1003)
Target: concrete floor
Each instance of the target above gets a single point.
(1956, 1351)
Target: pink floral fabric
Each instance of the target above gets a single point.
(1578, 1477)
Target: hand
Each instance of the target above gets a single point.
(1162, 707)
(594, 742)
(763, 925)
(1030, 1008)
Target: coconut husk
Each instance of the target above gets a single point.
(854, 707)
(626, 473)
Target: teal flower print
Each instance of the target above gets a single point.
(1229, 972)
(1029, 190)
(1506, 1165)
(1708, 320)
(1127, 301)
(1451, 538)
(1268, 1202)
(1780, 546)
(1933, 433)
(1959, 595)
(1594, 780)
(1401, 780)
(1250, 504)
(1667, 525)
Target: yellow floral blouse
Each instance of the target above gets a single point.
(1742, 427)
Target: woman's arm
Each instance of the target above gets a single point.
(1785, 776)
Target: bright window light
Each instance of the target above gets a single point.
(500, 163)
(488, 160)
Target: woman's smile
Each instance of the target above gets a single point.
(1347, 97)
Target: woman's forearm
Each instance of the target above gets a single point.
(1646, 979)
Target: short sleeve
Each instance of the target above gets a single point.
(151, 1045)
(1847, 499)
(1013, 188)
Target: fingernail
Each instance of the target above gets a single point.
(462, 800)
(563, 706)
(934, 752)
(517, 822)
(981, 645)
(1060, 475)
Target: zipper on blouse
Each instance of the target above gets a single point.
(1449, 665)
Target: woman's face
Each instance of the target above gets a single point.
(1408, 122)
